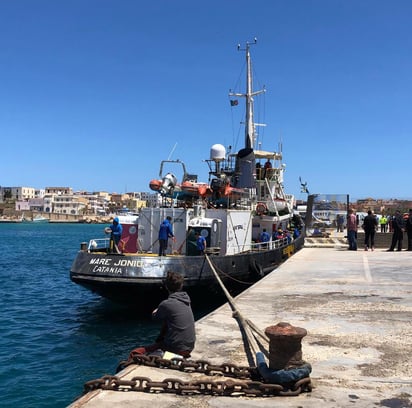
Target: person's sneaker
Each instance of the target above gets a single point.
(366, 247)
(373, 248)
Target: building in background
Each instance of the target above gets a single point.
(8, 194)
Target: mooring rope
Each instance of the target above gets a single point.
(245, 324)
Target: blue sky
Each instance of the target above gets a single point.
(95, 93)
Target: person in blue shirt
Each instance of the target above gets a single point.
(165, 232)
(201, 243)
(264, 237)
(296, 232)
(288, 236)
(115, 231)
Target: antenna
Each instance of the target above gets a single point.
(248, 44)
(171, 152)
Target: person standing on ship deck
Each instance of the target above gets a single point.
(201, 243)
(115, 230)
(165, 232)
(264, 238)
(267, 166)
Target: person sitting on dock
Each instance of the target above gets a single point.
(317, 232)
(177, 334)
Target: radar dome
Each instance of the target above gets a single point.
(217, 153)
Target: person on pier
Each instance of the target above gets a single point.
(369, 225)
(408, 228)
(398, 228)
(177, 334)
(352, 227)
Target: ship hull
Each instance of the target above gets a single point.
(137, 280)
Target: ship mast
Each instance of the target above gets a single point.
(249, 128)
(250, 136)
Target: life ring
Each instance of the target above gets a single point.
(261, 208)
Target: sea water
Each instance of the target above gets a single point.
(54, 334)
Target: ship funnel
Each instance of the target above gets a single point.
(245, 167)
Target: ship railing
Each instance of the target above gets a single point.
(280, 243)
(98, 244)
(264, 246)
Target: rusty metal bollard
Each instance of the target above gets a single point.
(285, 346)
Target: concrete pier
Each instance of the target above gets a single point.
(357, 310)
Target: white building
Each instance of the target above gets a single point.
(37, 204)
(39, 193)
(97, 203)
(64, 204)
(58, 190)
(16, 193)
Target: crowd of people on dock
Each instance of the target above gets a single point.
(396, 224)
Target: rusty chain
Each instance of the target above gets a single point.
(248, 380)
(198, 366)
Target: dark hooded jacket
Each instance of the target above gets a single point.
(117, 230)
(177, 314)
(370, 222)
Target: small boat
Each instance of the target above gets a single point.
(40, 219)
(195, 189)
(36, 219)
(231, 210)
